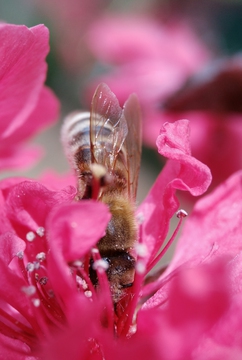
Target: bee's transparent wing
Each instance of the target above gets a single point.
(108, 128)
(115, 135)
(133, 142)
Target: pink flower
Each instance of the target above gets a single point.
(26, 105)
(211, 100)
(49, 308)
(146, 57)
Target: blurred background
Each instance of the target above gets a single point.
(182, 58)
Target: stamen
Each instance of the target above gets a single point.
(129, 315)
(17, 323)
(181, 214)
(105, 288)
(20, 256)
(84, 281)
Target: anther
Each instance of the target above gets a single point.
(88, 293)
(140, 218)
(40, 231)
(100, 265)
(41, 256)
(30, 267)
(29, 290)
(20, 255)
(181, 213)
(36, 302)
(43, 280)
(140, 267)
(141, 250)
(30, 236)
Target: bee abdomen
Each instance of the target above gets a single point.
(76, 139)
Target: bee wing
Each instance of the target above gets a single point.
(108, 127)
(133, 142)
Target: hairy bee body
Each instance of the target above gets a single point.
(100, 137)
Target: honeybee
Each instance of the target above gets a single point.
(109, 136)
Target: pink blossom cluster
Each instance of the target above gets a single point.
(49, 308)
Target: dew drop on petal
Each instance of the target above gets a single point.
(40, 231)
(29, 290)
(41, 256)
(30, 236)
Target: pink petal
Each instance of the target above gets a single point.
(197, 300)
(214, 227)
(19, 157)
(74, 229)
(10, 292)
(181, 172)
(10, 245)
(25, 105)
(14, 349)
(28, 203)
(173, 143)
(23, 71)
(54, 181)
(43, 115)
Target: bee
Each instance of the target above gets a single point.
(111, 137)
